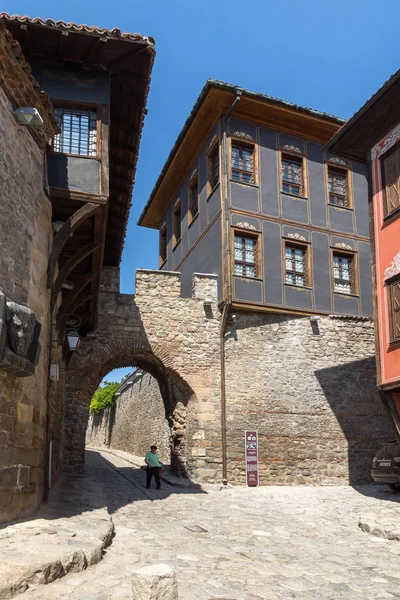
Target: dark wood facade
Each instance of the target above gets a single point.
(106, 75)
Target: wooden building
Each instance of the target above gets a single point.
(372, 136)
(249, 194)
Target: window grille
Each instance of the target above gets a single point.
(163, 244)
(292, 175)
(177, 223)
(394, 310)
(338, 187)
(242, 163)
(343, 273)
(296, 265)
(213, 167)
(193, 198)
(391, 180)
(78, 132)
(245, 256)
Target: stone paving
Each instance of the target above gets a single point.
(268, 543)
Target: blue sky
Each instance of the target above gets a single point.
(324, 55)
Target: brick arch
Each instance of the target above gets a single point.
(89, 366)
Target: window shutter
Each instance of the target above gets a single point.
(395, 310)
(391, 167)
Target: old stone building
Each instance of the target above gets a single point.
(72, 102)
(276, 338)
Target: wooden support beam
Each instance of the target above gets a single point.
(69, 266)
(63, 42)
(79, 196)
(25, 42)
(100, 232)
(63, 234)
(69, 305)
(95, 51)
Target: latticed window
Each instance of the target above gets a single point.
(78, 132)
(343, 273)
(338, 187)
(213, 167)
(296, 265)
(391, 179)
(243, 163)
(163, 243)
(193, 198)
(394, 310)
(246, 256)
(177, 222)
(292, 175)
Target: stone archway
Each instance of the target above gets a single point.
(175, 340)
(84, 377)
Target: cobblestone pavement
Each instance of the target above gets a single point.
(238, 544)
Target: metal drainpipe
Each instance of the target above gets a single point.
(228, 301)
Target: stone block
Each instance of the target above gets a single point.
(157, 582)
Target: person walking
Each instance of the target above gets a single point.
(153, 467)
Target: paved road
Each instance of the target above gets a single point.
(242, 544)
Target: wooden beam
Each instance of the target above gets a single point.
(64, 233)
(69, 266)
(100, 231)
(79, 196)
(127, 61)
(26, 42)
(63, 41)
(95, 51)
(68, 306)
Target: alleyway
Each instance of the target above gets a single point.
(242, 544)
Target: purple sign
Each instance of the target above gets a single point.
(251, 450)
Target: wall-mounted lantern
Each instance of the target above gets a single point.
(28, 116)
(73, 339)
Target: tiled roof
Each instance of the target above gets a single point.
(113, 33)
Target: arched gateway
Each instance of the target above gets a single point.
(176, 340)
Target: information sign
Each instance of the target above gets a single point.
(251, 450)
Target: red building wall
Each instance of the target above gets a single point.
(387, 257)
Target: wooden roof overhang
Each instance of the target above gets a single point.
(94, 227)
(379, 115)
(214, 101)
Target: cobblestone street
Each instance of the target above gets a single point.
(237, 544)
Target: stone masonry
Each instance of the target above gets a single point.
(308, 387)
(25, 234)
(174, 339)
(306, 384)
(136, 421)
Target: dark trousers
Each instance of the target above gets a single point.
(149, 476)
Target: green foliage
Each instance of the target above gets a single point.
(103, 397)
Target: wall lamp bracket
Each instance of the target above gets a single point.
(28, 116)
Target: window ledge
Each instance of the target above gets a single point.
(392, 215)
(74, 155)
(346, 295)
(176, 244)
(251, 185)
(300, 287)
(350, 208)
(212, 191)
(192, 220)
(393, 345)
(248, 278)
(294, 195)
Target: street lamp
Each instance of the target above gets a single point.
(73, 339)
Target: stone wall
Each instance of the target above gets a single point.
(137, 421)
(308, 387)
(25, 234)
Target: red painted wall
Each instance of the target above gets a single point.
(387, 246)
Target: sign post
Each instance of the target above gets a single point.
(251, 450)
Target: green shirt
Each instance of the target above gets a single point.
(153, 459)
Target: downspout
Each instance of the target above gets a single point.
(228, 271)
